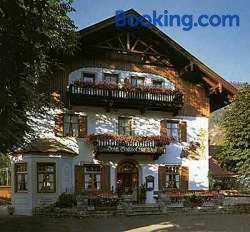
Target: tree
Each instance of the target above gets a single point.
(4, 161)
(35, 37)
(236, 152)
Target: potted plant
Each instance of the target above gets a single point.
(82, 199)
(192, 201)
(142, 193)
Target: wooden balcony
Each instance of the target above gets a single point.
(148, 99)
(129, 145)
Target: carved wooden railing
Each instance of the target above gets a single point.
(106, 143)
(169, 100)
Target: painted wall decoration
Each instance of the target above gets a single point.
(195, 150)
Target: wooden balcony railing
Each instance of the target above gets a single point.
(108, 144)
(121, 98)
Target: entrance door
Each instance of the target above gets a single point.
(127, 178)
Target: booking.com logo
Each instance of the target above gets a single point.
(186, 21)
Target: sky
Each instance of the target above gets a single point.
(225, 50)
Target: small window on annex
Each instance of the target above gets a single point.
(172, 177)
(46, 177)
(21, 177)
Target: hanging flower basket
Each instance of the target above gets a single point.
(125, 87)
(158, 139)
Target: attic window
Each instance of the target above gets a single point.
(110, 78)
(137, 81)
(158, 83)
(88, 77)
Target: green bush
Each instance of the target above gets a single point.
(193, 200)
(104, 202)
(142, 193)
(66, 200)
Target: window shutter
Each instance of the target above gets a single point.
(82, 126)
(163, 129)
(79, 179)
(58, 125)
(105, 178)
(132, 126)
(183, 131)
(184, 175)
(161, 177)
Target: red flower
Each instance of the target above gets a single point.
(160, 139)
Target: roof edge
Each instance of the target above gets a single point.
(203, 67)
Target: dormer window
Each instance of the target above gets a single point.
(88, 77)
(110, 78)
(137, 82)
(158, 83)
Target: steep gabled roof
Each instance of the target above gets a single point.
(211, 78)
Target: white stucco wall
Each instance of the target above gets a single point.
(24, 202)
(99, 73)
(100, 121)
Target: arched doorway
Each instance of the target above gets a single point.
(127, 178)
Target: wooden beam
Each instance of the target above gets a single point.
(128, 41)
(214, 86)
(189, 67)
(109, 45)
(148, 48)
(220, 87)
(147, 53)
(136, 42)
(108, 48)
(119, 38)
(209, 82)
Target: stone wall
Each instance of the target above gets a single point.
(239, 200)
(84, 212)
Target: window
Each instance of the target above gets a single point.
(110, 78)
(46, 176)
(125, 126)
(88, 77)
(172, 129)
(92, 177)
(5, 177)
(158, 83)
(172, 177)
(21, 176)
(137, 82)
(71, 125)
